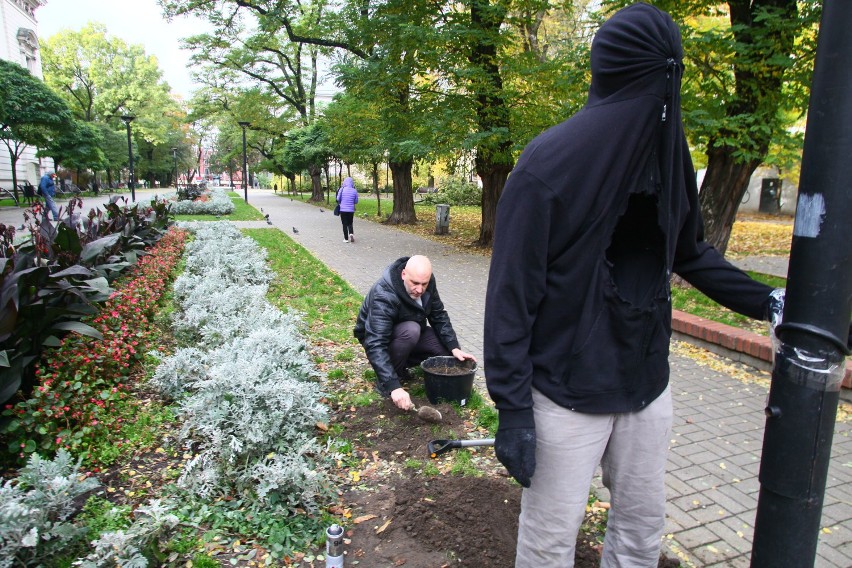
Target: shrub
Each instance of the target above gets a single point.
(52, 278)
(36, 508)
(82, 381)
(138, 546)
(246, 386)
(218, 204)
(454, 191)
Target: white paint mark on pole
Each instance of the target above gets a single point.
(810, 212)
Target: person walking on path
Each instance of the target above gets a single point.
(402, 322)
(596, 215)
(47, 189)
(347, 198)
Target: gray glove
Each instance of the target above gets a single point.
(515, 448)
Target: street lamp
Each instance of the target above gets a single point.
(174, 155)
(127, 118)
(243, 123)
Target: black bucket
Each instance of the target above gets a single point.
(448, 379)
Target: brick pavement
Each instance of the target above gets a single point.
(718, 427)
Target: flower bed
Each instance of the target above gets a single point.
(215, 202)
(81, 382)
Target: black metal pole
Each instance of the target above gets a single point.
(127, 120)
(809, 360)
(245, 164)
(174, 155)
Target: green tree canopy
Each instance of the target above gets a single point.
(30, 113)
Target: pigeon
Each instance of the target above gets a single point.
(261, 210)
(322, 210)
(266, 216)
(268, 222)
(295, 231)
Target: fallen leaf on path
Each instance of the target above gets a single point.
(363, 518)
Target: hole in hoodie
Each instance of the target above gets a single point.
(636, 251)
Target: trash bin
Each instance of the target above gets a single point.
(442, 219)
(770, 195)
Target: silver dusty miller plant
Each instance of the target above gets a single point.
(218, 204)
(138, 545)
(37, 507)
(248, 391)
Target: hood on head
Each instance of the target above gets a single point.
(631, 51)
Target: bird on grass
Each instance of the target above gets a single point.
(295, 231)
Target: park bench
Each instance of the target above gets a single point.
(421, 191)
(28, 190)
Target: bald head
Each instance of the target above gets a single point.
(416, 275)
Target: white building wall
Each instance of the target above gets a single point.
(19, 44)
(751, 199)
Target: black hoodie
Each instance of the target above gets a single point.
(597, 213)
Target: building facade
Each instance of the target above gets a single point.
(19, 44)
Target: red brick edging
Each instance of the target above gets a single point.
(733, 339)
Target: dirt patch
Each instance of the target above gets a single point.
(406, 509)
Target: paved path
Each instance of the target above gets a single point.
(718, 427)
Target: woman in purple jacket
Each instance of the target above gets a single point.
(347, 197)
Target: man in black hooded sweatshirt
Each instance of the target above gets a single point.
(597, 214)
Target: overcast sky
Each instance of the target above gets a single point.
(134, 21)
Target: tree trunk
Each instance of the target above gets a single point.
(14, 158)
(376, 188)
(494, 158)
(327, 182)
(292, 179)
(722, 191)
(755, 107)
(493, 178)
(316, 182)
(403, 199)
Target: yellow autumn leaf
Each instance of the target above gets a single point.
(381, 529)
(356, 476)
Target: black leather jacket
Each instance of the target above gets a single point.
(388, 304)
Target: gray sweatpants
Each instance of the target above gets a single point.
(631, 448)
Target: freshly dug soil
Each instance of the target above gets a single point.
(406, 513)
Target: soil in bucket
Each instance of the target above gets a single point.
(448, 379)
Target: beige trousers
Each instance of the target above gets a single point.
(631, 449)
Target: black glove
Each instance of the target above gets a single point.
(515, 448)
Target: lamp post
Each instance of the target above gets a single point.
(127, 118)
(174, 155)
(243, 124)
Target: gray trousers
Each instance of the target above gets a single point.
(631, 449)
(410, 345)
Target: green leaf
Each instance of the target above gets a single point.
(78, 327)
(93, 249)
